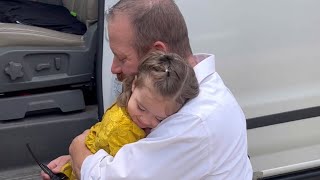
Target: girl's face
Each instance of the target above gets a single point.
(147, 109)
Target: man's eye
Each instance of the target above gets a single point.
(123, 60)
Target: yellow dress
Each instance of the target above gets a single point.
(114, 131)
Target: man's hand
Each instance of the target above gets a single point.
(56, 165)
(79, 151)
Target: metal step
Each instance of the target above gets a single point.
(26, 173)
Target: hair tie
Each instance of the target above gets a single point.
(167, 71)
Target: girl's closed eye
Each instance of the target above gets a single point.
(160, 119)
(141, 108)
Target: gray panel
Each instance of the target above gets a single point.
(16, 107)
(49, 137)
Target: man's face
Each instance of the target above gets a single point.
(125, 60)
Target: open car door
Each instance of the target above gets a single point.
(267, 53)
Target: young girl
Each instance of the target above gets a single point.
(163, 84)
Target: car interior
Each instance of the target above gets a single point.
(47, 91)
(34, 57)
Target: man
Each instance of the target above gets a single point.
(206, 139)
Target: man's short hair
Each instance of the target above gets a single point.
(155, 20)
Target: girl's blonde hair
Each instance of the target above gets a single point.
(170, 76)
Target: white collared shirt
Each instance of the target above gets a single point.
(206, 139)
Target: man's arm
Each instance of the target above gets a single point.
(78, 152)
(174, 150)
(179, 148)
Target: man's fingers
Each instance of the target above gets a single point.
(53, 167)
(56, 165)
(44, 176)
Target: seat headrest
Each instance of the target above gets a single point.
(86, 10)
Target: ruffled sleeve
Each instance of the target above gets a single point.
(127, 132)
(98, 134)
(114, 131)
(91, 137)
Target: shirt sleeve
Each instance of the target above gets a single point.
(180, 147)
(167, 153)
(114, 131)
(123, 133)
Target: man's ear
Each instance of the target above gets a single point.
(133, 83)
(160, 46)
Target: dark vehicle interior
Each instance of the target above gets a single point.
(48, 89)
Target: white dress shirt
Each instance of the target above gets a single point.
(206, 139)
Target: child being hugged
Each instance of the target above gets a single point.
(163, 84)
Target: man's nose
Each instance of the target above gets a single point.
(115, 67)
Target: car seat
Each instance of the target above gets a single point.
(34, 58)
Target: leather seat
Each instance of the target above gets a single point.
(34, 57)
(24, 35)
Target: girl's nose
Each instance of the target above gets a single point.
(155, 123)
(146, 120)
(150, 121)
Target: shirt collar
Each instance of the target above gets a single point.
(205, 66)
